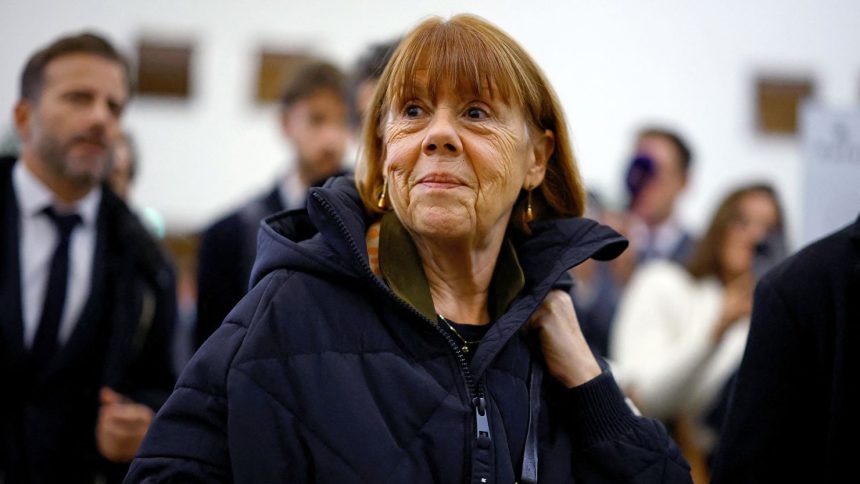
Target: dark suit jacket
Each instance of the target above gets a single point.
(225, 258)
(122, 340)
(793, 416)
(227, 251)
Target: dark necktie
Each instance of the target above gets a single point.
(45, 344)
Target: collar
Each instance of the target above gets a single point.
(401, 268)
(33, 196)
(292, 191)
(663, 239)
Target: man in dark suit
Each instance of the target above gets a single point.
(314, 120)
(793, 414)
(87, 298)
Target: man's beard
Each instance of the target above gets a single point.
(57, 159)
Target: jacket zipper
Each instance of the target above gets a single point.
(475, 393)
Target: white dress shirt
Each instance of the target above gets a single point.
(658, 242)
(37, 242)
(292, 191)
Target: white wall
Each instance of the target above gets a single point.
(615, 64)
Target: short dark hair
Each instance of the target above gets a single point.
(369, 67)
(371, 64)
(33, 76)
(312, 77)
(685, 155)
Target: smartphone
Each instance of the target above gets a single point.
(769, 252)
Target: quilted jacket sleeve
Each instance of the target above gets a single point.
(187, 441)
(614, 445)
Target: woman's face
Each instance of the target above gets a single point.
(456, 163)
(757, 216)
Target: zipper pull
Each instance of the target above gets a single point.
(482, 427)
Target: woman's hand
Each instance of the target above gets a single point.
(737, 303)
(568, 357)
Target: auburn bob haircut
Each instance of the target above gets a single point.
(472, 55)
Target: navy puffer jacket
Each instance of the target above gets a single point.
(322, 374)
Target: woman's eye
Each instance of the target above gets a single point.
(412, 111)
(476, 113)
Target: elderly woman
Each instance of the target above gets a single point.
(383, 339)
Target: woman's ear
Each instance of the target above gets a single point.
(543, 145)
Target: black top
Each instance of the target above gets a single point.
(467, 335)
(122, 340)
(793, 415)
(323, 374)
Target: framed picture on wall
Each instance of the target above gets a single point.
(777, 102)
(164, 68)
(274, 70)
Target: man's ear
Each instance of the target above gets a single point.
(22, 113)
(543, 146)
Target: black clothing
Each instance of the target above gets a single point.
(793, 412)
(45, 343)
(322, 374)
(227, 252)
(226, 255)
(121, 340)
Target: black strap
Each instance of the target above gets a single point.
(530, 452)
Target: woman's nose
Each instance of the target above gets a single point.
(442, 136)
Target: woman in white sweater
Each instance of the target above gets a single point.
(680, 331)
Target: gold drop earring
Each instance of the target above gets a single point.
(530, 215)
(383, 197)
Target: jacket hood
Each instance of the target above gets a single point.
(328, 238)
(317, 238)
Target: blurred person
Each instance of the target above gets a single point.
(365, 75)
(121, 174)
(680, 331)
(596, 290)
(122, 168)
(88, 298)
(656, 179)
(387, 347)
(314, 120)
(793, 412)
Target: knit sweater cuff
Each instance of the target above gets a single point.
(598, 411)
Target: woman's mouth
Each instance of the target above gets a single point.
(442, 181)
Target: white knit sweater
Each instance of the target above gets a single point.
(661, 343)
